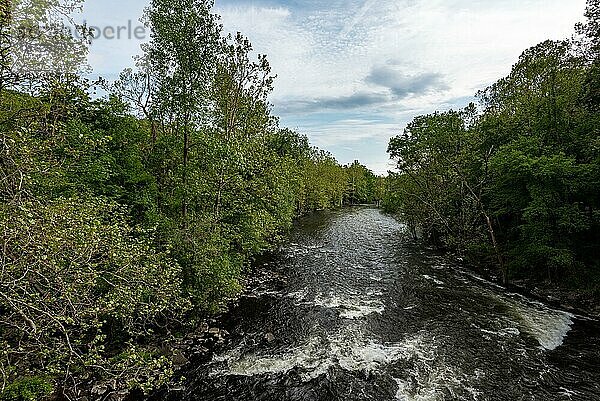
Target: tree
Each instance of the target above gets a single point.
(521, 169)
(184, 44)
(591, 29)
(126, 218)
(445, 160)
(241, 115)
(361, 184)
(77, 279)
(591, 51)
(138, 89)
(40, 41)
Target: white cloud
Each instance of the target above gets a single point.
(350, 70)
(108, 57)
(391, 58)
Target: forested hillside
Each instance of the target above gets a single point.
(132, 210)
(126, 217)
(515, 182)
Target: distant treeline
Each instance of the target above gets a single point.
(125, 218)
(515, 182)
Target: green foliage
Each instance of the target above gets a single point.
(438, 192)
(361, 184)
(516, 181)
(125, 218)
(38, 44)
(77, 281)
(31, 389)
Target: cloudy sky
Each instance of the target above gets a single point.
(352, 73)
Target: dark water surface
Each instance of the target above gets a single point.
(368, 315)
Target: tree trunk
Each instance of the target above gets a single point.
(154, 129)
(496, 250)
(186, 155)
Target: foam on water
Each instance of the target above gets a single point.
(506, 332)
(349, 306)
(433, 384)
(351, 352)
(428, 378)
(548, 326)
(317, 356)
(438, 282)
(431, 378)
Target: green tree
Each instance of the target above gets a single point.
(519, 172)
(591, 51)
(184, 45)
(361, 184)
(39, 43)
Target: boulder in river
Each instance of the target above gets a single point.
(179, 359)
(203, 327)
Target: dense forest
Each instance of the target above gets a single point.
(515, 182)
(133, 209)
(128, 217)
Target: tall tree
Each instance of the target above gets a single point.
(185, 41)
(40, 41)
(241, 115)
(591, 46)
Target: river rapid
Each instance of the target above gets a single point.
(367, 314)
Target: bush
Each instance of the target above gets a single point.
(30, 389)
(78, 285)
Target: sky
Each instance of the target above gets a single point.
(352, 73)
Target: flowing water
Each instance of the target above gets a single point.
(368, 315)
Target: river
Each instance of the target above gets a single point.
(367, 314)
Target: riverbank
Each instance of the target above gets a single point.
(552, 294)
(562, 298)
(196, 348)
(349, 304)
(193, 354)
(570, 300)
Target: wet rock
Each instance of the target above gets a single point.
(179, 359)
(269, 337)
(99, 389)
(203, 327)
